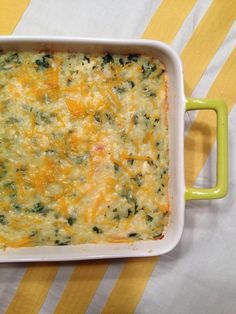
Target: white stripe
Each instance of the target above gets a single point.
(104, 290)
(10, 277)
(87, 18)
(57, 288)
(213, 69)
(190, 24)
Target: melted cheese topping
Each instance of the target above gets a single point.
(84, 149)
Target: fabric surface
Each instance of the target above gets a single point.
(199, 275)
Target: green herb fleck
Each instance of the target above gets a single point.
(87, 59)
(133, 57)
(135, 117)
(149, 93)
(71, 220)
(43, 63)
(149, 218)
(132, 234)
(3, 170)
(107, 59)
(121, 61)
(3, 220)
(109, 117)
(131, 83)
(60, 243)
(97, 117)
(43, 117)
(39, 208)
(148, 69)
(119, 90)
(97, 230)
(160, 74)
(50, 152)
(12, 120)
(116, 167)
(138, 179)
(82, 159)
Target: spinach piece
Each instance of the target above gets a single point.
(156, 121)
(39, 208)
(160, 74)
(12, 120)
(48, 55)
(116, 216)
(3, 220)
(121, 61)
(43, 63)
(130, 161)
(149, 92)
(97, 117)
(149, 218)
(128, 195)
(50, 152)
(116, 167)
(135, 117)
(87, 59)
(132, 234)
(12, 57)
(109, 117)
(133, 57)
(11, 186)
(148, 69)
(107, 59)
(21, 169)
(16, 207)
(158, 236)
(60, 243)
(119, 90)
(131, 83)
(68, 82)
(82, 159)
(97, 230)
(164, 172)
(129, 212)
(3, 170)
(33, 233)
(43, 117)
(138, 179)
(71, 220)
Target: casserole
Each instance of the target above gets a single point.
(177, 191)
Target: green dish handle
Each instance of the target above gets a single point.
(221, 187)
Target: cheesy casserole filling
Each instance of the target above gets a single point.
(84, 148)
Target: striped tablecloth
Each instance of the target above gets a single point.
(199, 275)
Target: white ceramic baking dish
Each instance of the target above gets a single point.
(178, 104)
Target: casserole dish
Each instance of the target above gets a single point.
(177, 106)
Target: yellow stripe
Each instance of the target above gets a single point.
(10, 14)
(202, 133)
(130, 286)
(167, 20)
(81, 287)
(33, 289)
(206, 40)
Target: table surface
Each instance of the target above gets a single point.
(199, 275)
